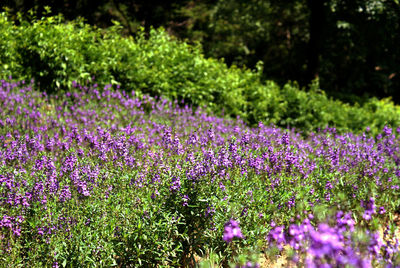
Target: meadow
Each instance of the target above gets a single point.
(99, 177)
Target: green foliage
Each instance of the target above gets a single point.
(288, 36)
(312, 109)
(297, 40)
(56, 53)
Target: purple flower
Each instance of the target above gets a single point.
(40, 231)
(325, 241)
(185, 200)
(382, 210)
(231, 231)
(345, 221)
(222, 186)
(277, 235)
(175, 184)
(285, 139)
(155, 194)
(375, 244)
(65, 194)
(210, 211)
(387, 130)
(369, 208)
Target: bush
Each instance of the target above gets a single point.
(56, 53)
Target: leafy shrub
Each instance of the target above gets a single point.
(56, 53)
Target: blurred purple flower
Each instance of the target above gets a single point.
(231, 231)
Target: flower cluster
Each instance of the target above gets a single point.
(231, 231)
(332, 246)
(142, 174)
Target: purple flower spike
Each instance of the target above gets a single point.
(382, 210)
(369, 208)
(231, 231)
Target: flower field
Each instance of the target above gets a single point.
(100, 177)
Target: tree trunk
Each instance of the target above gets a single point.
(316, 28)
